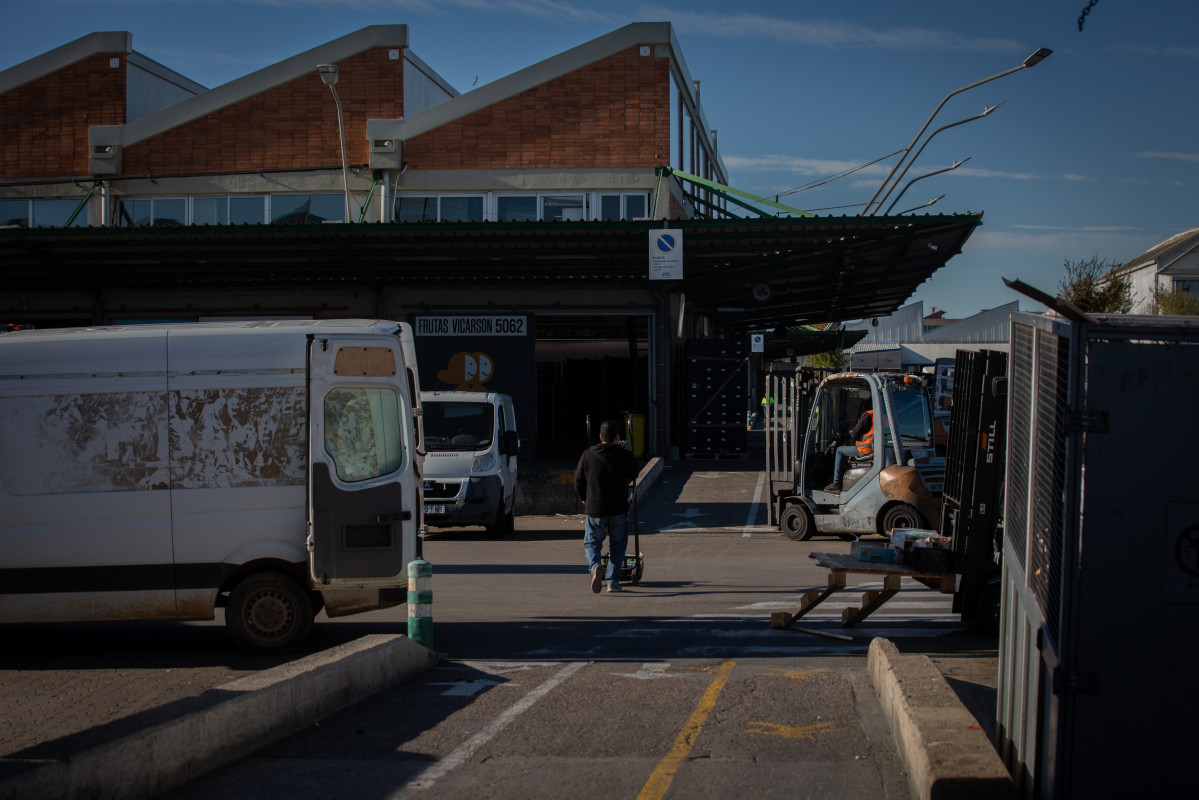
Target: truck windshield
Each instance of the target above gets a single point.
(458, 426)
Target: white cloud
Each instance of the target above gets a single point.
(1191, 157)
(1131, 48)
(1082, 229)
(827, 34)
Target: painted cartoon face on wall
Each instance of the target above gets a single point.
(467, 371)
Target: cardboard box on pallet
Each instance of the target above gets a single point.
(874, 552)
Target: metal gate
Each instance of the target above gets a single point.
(1100, 613)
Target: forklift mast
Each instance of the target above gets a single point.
(975, 459)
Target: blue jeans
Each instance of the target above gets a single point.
(616, 528)
(844, 453)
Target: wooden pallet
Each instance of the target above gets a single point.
(839, 566)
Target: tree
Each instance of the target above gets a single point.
(1178, 302)
(829, 360)
(1094, 286)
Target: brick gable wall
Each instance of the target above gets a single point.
(43, 124)
(291, 126)
(611, 114)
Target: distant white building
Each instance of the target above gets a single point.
(1173, 264)
(909, 340)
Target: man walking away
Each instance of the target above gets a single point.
(602, 483)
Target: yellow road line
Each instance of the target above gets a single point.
(655, 788)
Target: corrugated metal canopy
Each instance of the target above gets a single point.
(747, 274)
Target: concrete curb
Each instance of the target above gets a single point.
(261, 709)
(648, 476)
(946, 753)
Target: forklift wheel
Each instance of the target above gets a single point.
(796, 523)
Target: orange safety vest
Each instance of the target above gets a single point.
(866, 443)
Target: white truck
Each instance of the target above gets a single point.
(162, 471)
(470, 460)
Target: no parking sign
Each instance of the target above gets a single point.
(665, 254)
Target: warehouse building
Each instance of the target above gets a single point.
(559, 234)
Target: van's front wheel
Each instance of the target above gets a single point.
(504, 524)
(268, 613)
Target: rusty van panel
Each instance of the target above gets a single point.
(118, 441)
(238, 437)
(110, 442)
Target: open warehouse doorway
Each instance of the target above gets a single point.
(589, 365)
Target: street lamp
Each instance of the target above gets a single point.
(907, 186)
(1036, 58)
(328, 73)
(986, 111)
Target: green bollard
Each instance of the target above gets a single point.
(420, 602)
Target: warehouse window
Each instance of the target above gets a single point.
(516, 208)
(439, 208)
(308, 208)
(230, 210)
(157, 211)
(549, 207)
(562, 208)
(48, 212)
(623, 206)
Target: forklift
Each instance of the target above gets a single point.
(897, 485)
(971, 486)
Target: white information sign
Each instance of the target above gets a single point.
(757, 343)
(665, 254)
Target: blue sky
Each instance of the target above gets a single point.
(1095, 151)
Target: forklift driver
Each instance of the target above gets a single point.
(863, 436)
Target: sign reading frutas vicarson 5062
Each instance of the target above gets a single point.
(471, 325)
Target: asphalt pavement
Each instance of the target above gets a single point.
(714, 571)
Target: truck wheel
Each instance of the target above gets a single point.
(901, 515)
(268, 613)
(796, 523)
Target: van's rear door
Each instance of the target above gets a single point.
(363, 502)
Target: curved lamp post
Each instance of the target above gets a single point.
(1036, 58)
(328, 73)
(920, 178)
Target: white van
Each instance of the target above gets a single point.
(470, 460)
(161, 471)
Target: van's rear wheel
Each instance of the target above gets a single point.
(268, 613)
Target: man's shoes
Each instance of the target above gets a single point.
(597, 577)
(833, 487)
(613, 586)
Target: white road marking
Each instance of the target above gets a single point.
(430, 776)
(651, 670)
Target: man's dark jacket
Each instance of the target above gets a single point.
(602, 479)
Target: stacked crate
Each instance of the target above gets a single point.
(716, 401)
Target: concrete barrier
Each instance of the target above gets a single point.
(945, 751)
(259, 709)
